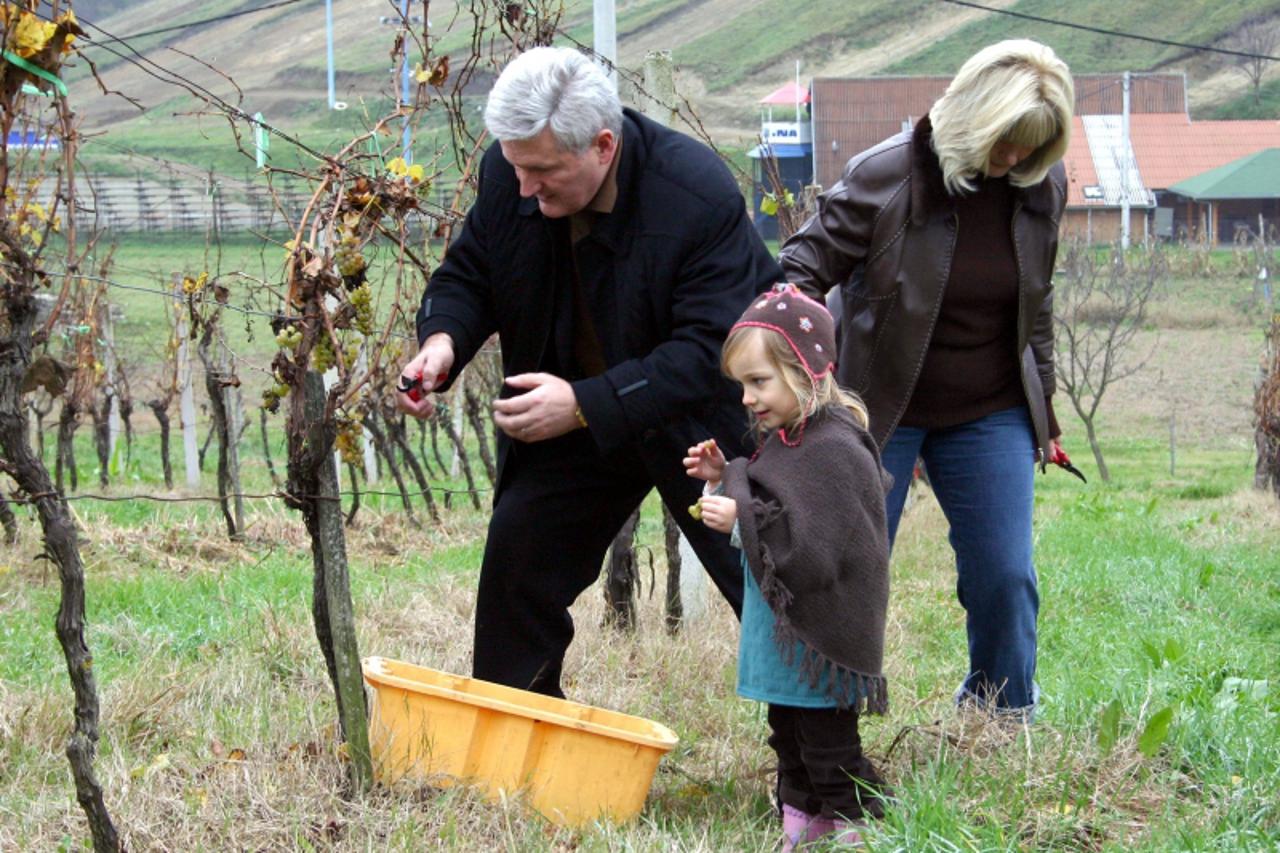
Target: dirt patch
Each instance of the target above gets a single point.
(1202, 378)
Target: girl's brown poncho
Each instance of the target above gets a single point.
(812, 519)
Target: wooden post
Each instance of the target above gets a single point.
(187, 405)
(657, 101)
(235, 425)
(331, 603)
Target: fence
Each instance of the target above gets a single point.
(220, 203)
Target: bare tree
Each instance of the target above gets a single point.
(1257, 37)
(1098, 312)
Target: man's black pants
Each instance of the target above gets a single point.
(560, 505)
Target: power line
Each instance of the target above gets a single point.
(1115, 33)
(188, 25)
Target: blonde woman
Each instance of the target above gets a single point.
(942, 242)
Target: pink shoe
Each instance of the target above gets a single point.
(820, 827)
(848, 833)
(796, 828)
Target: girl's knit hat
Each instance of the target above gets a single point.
(804, 323)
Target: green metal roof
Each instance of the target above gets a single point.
(1254, 176)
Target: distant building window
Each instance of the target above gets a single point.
(1093, 192)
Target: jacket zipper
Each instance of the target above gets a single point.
(933, 323)
(1022, 294)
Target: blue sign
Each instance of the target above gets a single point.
(32, 139)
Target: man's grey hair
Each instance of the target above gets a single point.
(556, 88)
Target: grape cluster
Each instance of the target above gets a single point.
(348, 258)
(362, 300)
(347, 442)
(272, 396)
(322, 355)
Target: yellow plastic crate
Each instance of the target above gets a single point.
(574, 763)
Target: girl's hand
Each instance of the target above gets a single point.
(719, 513)
(705, 461)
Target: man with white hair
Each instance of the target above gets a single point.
(610, 255)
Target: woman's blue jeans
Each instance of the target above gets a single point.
(982, 473)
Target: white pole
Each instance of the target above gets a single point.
(187, 405)
(605, 33)
(1124, 167)
(797, 93)
(328, 38)
(406, 142)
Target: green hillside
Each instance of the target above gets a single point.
(728, 55)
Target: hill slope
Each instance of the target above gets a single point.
(729, 54)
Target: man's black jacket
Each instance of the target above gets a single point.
(671, 269)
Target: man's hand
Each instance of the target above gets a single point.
(423, 374)
(546, 409)
(705, 461)
(718, 512)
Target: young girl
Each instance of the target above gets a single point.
(807, 510)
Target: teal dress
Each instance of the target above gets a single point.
(763, 675)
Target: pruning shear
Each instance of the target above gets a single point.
(412, 388)
(1060, 458)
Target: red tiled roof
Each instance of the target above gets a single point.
(1170, 148)
(1079, 165)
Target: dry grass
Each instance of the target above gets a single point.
(240, 750)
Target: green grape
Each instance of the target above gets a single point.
(289, 337)
(322, 356)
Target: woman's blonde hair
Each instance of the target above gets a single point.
(1015, 91)
(812, 394)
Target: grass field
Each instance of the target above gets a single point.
(1160, 606)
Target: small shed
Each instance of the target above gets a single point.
(1244, 193)
(788, 144)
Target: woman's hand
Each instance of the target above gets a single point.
(719, 513)
(705, 461)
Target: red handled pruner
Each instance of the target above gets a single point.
(1060, 458)
(412, 388)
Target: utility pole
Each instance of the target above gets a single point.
(1124, 166)
(328, 44)
(404, 87)
(605, 36)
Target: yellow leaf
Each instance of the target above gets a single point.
(31, 35)
(398, 167)
(69, 22)
(421, 74)
(417, 173)
(769, 205)
(236, 754)
(1236, 780)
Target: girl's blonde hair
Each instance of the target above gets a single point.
(812, 394)
(1015, 91)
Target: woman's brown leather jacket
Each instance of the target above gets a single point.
(885, 234)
